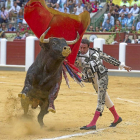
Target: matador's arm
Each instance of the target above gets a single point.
(113, 61)
(109, 59)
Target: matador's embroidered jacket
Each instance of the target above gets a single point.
(91, 62)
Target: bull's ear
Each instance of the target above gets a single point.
(44, 46)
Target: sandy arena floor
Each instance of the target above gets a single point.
(75, 107)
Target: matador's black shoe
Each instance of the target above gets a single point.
(114, 124)
(88, 128)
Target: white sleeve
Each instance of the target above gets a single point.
(121, 65)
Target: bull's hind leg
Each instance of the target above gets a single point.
(43, 111)
(25, 105)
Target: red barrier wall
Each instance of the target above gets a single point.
(37, 48)
(132, 57)
(112, 50)
(15, 53)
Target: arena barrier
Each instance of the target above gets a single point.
(18, 55)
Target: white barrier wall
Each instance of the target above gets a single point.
(3, 44)
(30, 51)
(98, 43)
(122, 52)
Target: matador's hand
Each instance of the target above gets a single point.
(127, 68)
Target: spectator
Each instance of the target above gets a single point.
(111, 18)
(4, 27)
(116, 11)
(0, 27)
(107, 26)
(134, 39)
(126, 39)
(79, 8)
(14, 10)
(138, 26)
(61, 3)
(124, 2)
(111, 3)
(133, 30)
(2, 3)
(111, 9)
(19, 27)
(75, 11)
(53, 3)
(94, 7)
(4, 15)
(20, 16)
(71, 4)
(89, 7)
(134, 10)
(2, 35)
(122, 20)
(20, 3)
(117, 26)
(8, 4)
(90, 29)
(57, 7)
(84, 9)
(17, 35)
(65, 6)
(129, 22)
(25, 28)
(65, 10)
(85, 2)
(11, 28)
(25, 35)
(48, 3)
(97, 29)
(135, 2)
(77, 1)
(124, 11)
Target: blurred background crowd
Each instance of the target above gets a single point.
(117, 18)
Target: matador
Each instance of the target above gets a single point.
(89, 61)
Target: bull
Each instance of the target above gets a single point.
(44, 76)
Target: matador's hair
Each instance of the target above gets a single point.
(85, 41)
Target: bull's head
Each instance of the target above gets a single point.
(58, 45)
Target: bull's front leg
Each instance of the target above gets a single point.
(27, 87)
(52, 96)
(43, 111)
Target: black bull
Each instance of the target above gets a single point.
(44, 76)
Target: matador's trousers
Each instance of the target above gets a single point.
(101, 86)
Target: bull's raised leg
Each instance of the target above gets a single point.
(43, 111)
(25, 105)
(53, 95)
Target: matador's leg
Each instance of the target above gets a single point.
(100, 87)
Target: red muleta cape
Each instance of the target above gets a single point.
(39, 17)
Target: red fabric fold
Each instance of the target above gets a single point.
(39, 17)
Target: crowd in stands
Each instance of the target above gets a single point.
(120, 18)
(12, 17)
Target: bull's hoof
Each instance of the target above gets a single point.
(50, 109)
(22, 95)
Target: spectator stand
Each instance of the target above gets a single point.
(97, 18)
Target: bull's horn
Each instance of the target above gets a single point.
(43, 36)
(74, 41)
